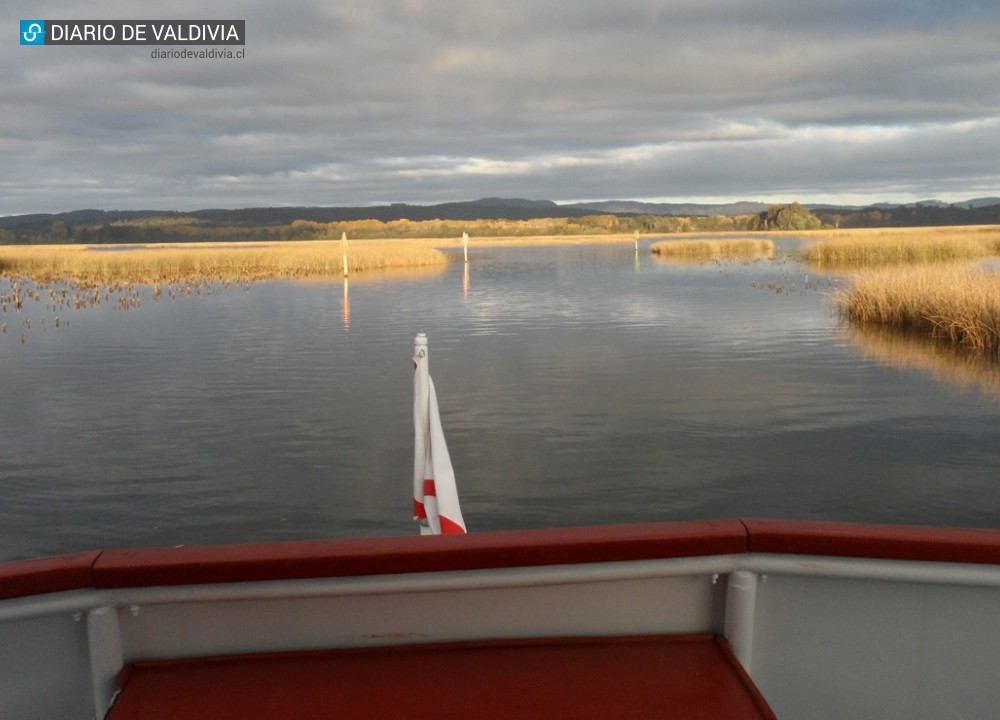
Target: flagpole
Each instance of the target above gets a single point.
(421, 427)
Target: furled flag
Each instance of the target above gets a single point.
(435, 495)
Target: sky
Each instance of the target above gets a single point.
(365, 102)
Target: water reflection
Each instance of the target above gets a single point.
(345, 306)
(942, 360)
(716, 261)
(379, 277)
(574, 390)
(29, 308)
(854, 267)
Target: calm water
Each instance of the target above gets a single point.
(578, 385)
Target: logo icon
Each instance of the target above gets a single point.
(32, 32)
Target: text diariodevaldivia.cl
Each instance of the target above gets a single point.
(205, 54)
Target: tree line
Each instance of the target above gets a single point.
(93, 227)
(148, 230)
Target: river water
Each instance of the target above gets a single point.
(578, 385)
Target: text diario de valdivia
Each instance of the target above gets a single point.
(141, 32)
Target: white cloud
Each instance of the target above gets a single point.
(369, 101)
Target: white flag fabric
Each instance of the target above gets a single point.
(435, 494)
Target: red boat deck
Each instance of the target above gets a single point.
(691, 677)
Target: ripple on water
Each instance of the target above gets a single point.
(577, 385)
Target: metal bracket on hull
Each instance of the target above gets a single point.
(741, 605)
(106, 658)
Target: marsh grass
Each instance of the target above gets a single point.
(709, 249)
(859, 249)
(961, 305)
(92, 266)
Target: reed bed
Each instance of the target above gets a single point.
(961, 305)
(987, 231)
(92, 266)
(902, 246)
(708, 249)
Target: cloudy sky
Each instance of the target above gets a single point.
(358, 102)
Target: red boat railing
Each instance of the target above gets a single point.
(110, 569)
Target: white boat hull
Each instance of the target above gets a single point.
(830, 621)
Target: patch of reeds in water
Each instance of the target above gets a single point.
(198, 262)
(878, 248)
(710, 249)
(961, 305)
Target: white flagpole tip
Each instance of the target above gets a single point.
(420, 339)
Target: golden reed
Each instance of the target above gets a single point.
(195, 262)
(870, 248)
(706, 249)
(960, 304)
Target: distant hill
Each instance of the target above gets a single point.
(963, 204)
(931, 214)
(979, 202)
(484, 209)
(680, 209)
(119, 226)
(514, 203)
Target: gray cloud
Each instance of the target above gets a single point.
(369, 101)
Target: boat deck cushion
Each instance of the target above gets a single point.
(690, 676)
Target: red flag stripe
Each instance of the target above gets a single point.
(429, 488)
(450, 528)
